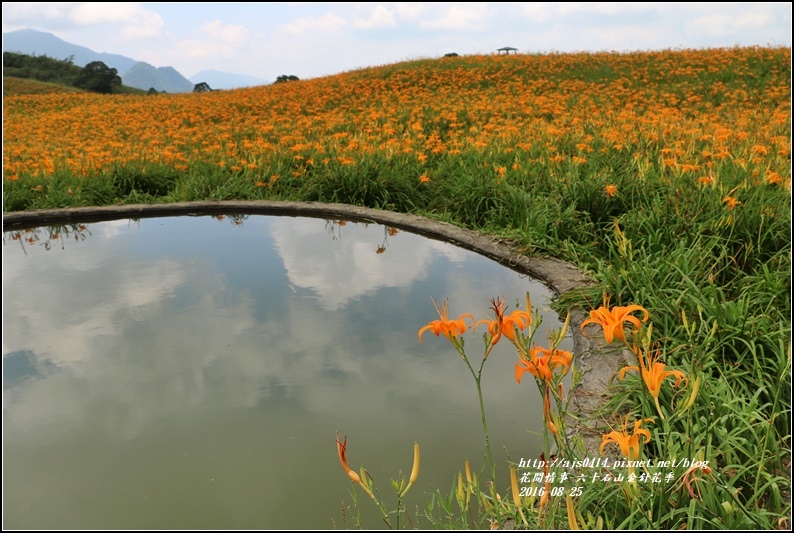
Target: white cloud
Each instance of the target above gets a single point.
(228, 33)
(380, 17)
(197, 49)
(217, 43)
(565, 12)
(144, 26)
(458, 17)
(138, 291)
(409, 10)
(32, 13)
(623, 38)
(726, 24)
(130, 21)
(89, 14)
(328, 23)
(314, 261)
(542, 11)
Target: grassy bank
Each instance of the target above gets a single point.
(665, 174)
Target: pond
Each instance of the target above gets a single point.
(192, 372)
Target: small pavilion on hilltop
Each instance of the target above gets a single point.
(506, 50)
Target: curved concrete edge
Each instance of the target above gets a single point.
(597, 361)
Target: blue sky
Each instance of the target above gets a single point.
(311, 39)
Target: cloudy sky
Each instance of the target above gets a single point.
(311, 39)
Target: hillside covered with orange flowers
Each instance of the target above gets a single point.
(682, 114)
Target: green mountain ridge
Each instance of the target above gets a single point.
(144, 76)
(133, 73)
(26, 74)
(32, 42)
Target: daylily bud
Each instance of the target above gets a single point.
(414, 471)
(572, 523)
(561, 335)
(692, 395)
(514, 487)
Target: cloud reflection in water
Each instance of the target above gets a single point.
(264, 338)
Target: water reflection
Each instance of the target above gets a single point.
(47, 236)
(193, 372)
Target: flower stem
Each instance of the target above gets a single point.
(485, 430)
(477, 380)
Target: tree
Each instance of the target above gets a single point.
(98, 77)
(41, 68)
(284, 78)
(202, 87)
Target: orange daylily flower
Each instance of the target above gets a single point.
(341, 449)
(731, 201)
(653, 374)
(772, 177)
(541, 366)
(689, 479)
(629, 444)
(612, 319)
(506, 324)
(610, 190)
(449, 328)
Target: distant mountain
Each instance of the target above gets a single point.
(144, 76)
(32, 42)
(133, 73)
(226, 80)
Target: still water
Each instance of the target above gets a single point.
(192, 372)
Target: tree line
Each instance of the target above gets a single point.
(95, 76)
